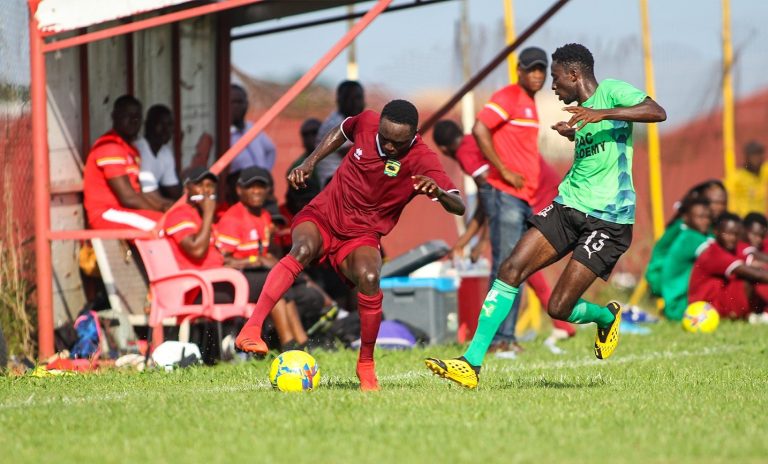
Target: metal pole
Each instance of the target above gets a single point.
(509, 28)
(353, 72)
(491, 66)
(729, 142)
(331, 19)
(298, 87)
(41, 185)
(654, 151)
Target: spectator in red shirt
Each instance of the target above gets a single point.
(387, 166)
(507, 131)
(463, 149)
(243, 236)
(723, 273)
(111, 190)
(189, 227)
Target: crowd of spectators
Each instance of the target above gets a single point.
(131, 180)
(714, 249)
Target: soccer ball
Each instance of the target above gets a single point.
(294, 371)
(700, 317)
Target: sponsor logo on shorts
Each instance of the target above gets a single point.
(596, 245)
(545, 211)
(359, 153)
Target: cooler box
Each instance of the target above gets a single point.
(426, 303)
(472, 291)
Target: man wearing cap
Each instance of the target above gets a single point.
(243, 236)
(507, 130)
(111, 190)
(189, 226)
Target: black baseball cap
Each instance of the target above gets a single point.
(531, 57)
(196, 174)
(250, 176)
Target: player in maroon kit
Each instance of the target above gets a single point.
(386, 167)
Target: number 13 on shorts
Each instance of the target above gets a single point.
(595, 242)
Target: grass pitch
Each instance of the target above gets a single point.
(664, 397)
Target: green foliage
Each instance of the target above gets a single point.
(666, 397)
(16, 312)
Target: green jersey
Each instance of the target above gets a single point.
(600, 181)
(659, 254)
(676, 271)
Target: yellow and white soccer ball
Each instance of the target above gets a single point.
(700, 317)
(294, 371)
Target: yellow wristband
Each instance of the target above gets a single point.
(252, 259)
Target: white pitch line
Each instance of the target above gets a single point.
(36, 401)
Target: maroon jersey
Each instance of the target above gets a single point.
(363, 197)
(712, 272)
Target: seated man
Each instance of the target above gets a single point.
(158, 166)
(714, 192)
(243, 236)
(692, 239)
(189, 227)
(755, 231)
(721, 271)
(259, 152)
(113, 198)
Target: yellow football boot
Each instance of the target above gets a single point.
(457, 370)
(606, 340)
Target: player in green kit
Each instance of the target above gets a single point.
(591, 217)
(690, 242)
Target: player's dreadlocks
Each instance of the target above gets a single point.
(401, 112)
(575, 54)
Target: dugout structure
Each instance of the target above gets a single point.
(85, 53)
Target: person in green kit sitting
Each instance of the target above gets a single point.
(714, 192)
(691, 241)
(591, 217)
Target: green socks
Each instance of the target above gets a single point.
(496, 306)
(585, 312)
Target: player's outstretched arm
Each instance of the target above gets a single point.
(450, 201)
(330, 143)
(646, 111)
(752, 274)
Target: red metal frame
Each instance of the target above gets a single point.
(144, 23)
(112, 234)
(41, 185)
(38, 48)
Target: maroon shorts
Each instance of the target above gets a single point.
(336, 249)
(732, 301)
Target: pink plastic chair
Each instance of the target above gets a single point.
(169, 284)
